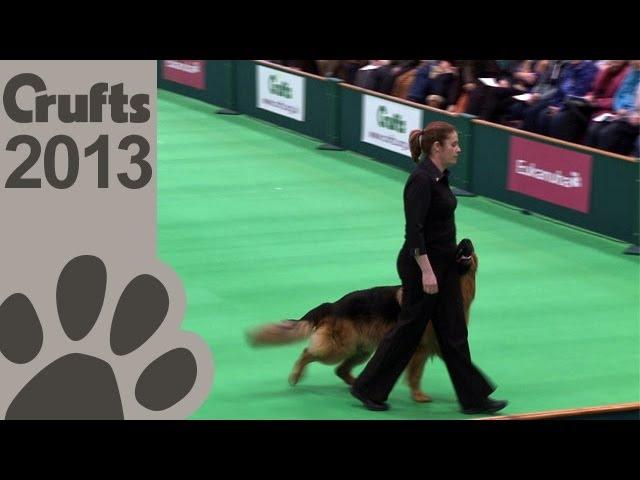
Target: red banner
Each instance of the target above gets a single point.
(556, 175)
(186, 72)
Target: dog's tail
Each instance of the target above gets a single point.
(288, 331)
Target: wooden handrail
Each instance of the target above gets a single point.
(288, 69)
(620, 407)
(398, 100)
(555, 140)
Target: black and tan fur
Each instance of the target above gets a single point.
(348, 331)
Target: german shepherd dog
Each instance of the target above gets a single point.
(348, 331)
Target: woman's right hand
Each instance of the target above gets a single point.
(429, 283)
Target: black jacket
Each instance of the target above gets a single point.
(429, 206)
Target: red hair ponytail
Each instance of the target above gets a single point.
(415, 144)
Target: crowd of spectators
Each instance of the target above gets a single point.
(590, 102)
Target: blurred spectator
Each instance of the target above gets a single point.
(492, 103)
(576, 80)
(404, 82)
(329, 68)
(619, 132)
(471, 73)
(435, 84)
(369, 76)
(547, 73)
(387, 75)
(443, 79)
(571, 123)
(348, 69)
(380, 75)
(420, 87)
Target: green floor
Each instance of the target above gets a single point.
(262, 226)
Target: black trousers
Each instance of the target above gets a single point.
(618, 136)
(446, 311)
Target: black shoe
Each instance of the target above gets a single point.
(488, 405)
(368, 403)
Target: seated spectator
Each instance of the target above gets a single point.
(421, 83)
(329, 68)
(547, 73)
(442, 80)
(404, 82)
(348, 69)
(571, 123)
(526, 73)
(388, 76)
(435, 84)
(470, 84)
(370, 75)
(576, 79)
(619, 133)
(492, 103)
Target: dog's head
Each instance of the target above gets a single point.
(466, 257)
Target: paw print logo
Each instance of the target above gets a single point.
(101, 361)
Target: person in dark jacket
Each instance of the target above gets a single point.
(620, 133)
(576, 80)
(571, 123)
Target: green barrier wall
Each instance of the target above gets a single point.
(614, 186)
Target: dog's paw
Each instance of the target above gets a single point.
(420, 397)
(295, 377)
(136, 372)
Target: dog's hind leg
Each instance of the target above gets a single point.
(298, 368)
(414, 374)
(329, 345)
(344, 369)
